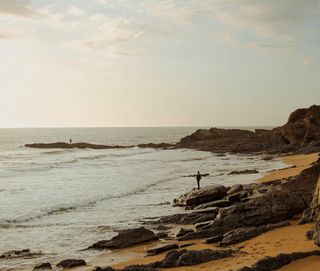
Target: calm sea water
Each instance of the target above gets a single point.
(61, 201)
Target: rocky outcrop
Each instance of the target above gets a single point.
(265, 204)
(156, 146)
(192, 217)
(314, 214)
(282, 202)
(43, 266)
(71, 263)
(24, 253)
(64, 145)
(203, 195)
(246, 171)
(126, 238)
(242, 234)
(301, 132)
(274, 263)
(160, 249)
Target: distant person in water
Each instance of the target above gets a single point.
(198, 177)
(70, 141)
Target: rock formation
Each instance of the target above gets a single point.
(69, 263)
(300, 133)
(126, 238)
(64, 145)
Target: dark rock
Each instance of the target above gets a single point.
(71, 263)
(213, 239)
(203, 224)
(203, 195)
(217, 203)
(307, 216)
(186, 245)
(242, 234)
(156, 146)
(301, 130)
(183, 231)
(160, 249)
(42, 266)
(315, 209)
(64, 145)
(246, 171)
(310, 234)
(202, 233)
(126, 238)
(235, 188)
(162, 235)
(279, 203)
(189, 218)
(25, 253)
(274, 263)
(236, 197)
(178, 258)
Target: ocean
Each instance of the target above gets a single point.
(62, 201)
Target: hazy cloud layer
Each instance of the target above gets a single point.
(120, 26)
(16, 7)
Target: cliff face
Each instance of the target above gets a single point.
(315, 207)
(301, 132)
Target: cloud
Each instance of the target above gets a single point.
(7, 36)
(284, 20)
(308, 61)
(172, 11)
(112, 36)
(75, 11)
(17, 7)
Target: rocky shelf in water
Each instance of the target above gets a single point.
(84, 145)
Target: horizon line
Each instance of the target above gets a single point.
(171, 126)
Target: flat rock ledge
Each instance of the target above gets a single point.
(16, 254)
(126, 238)
(82, 145)
(203, 195)
(274, 263)
(69, 263)
(177, 258)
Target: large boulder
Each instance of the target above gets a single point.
(199, 196)
(126, 238)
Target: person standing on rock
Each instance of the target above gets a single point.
(70, 141)
(198, 178)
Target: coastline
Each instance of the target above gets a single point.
(287, 239)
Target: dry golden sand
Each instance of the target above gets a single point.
(307, 264)
(300, 162)
(283, 240)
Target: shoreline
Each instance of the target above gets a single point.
(282, 240)
(267, 243)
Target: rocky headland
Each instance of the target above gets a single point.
(301, 134)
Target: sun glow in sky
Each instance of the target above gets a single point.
(157, 62)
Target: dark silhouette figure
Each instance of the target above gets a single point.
(198, 177)
(70, 141)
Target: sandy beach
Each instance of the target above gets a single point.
(282, 240)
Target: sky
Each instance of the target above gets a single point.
(101, 63)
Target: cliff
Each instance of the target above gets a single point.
(300, 133)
